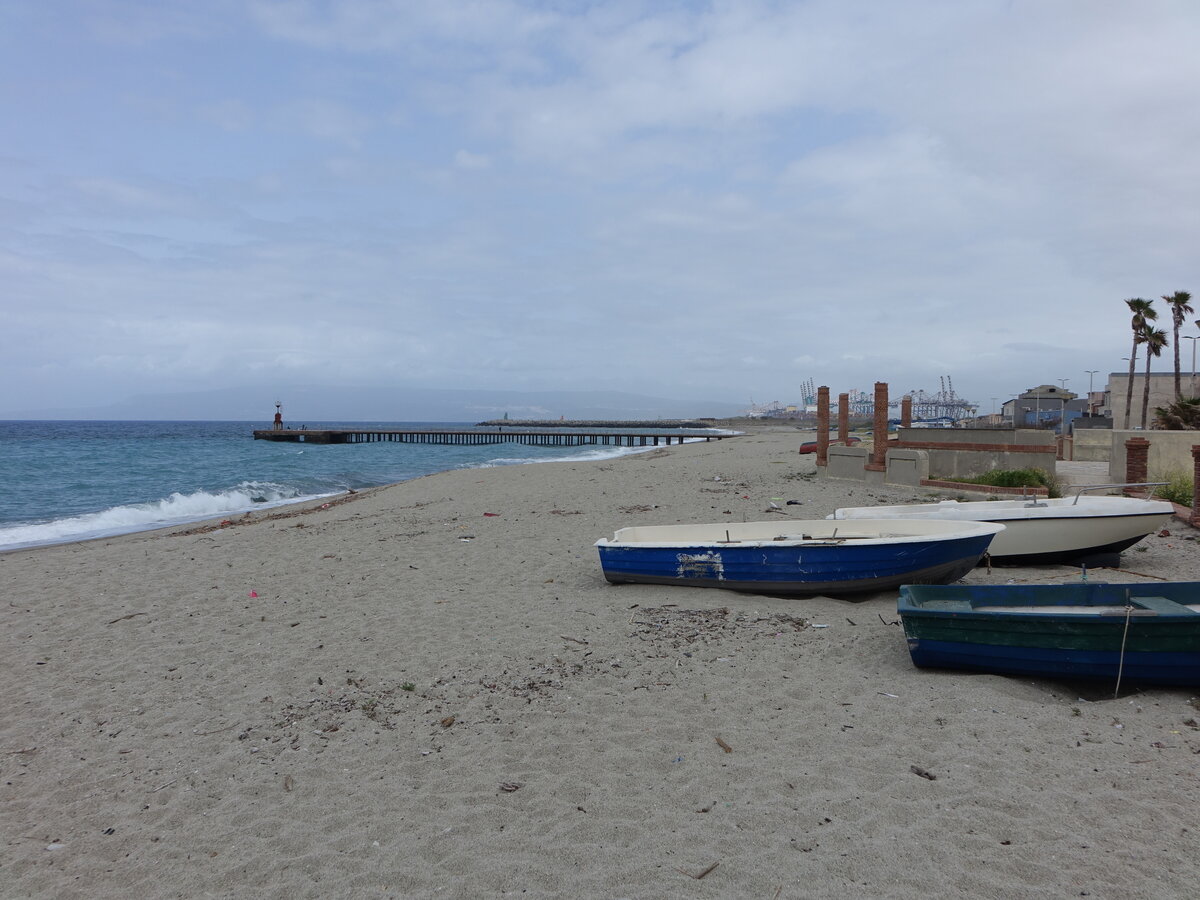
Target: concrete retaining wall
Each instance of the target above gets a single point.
(965, 452)
(945, 453)
(1092, 445)
(989, 436)
(851, 462)
(909, 467)
(1169, 451)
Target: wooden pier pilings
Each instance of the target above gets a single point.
(475, 437)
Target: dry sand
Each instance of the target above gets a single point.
(403, 696)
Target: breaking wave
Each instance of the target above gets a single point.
(173, 510)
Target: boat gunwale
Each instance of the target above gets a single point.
(1106, 609)
(974, 529)
(1002, 514)
(1082, 612)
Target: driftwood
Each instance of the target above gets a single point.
(701, 875)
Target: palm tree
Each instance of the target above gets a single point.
(1182, 415)
(1155, 340)
(1179, 303)
(1143, 312)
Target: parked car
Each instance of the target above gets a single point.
(811, 446)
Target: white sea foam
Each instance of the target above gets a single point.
(173, 510)
(589, 455)
(180, 508)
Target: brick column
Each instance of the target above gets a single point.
(906, 412)
(1196, 486)
(1137, 456)
(822, 426)
(879, 454)
(843, 417)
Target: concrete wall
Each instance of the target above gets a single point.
(1104, 422)
(908, 467)
(1162, 391)
(1036, 436)
(965, 452)
(850, 462)
(1169, 451)
(947, 453)
(1093, 444)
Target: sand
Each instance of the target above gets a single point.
(430, 690)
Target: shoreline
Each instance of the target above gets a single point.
(431, 689)
(260, 510)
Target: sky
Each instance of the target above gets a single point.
(695, 200)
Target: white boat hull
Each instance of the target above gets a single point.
(1055, 530)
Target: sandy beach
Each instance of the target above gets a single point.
(429, 690)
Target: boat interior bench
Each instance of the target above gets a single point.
(1163, 606)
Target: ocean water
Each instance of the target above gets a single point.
(70, 481)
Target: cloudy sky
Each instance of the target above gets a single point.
(694, 200)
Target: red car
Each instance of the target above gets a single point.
(811, 446)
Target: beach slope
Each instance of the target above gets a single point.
(430, 690)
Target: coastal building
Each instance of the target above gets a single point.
(1044, 406)
(1098, 404)
(1162, 393)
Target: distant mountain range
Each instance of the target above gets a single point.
(376, 404)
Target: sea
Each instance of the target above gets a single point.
(71, 481)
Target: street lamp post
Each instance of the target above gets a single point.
(1128, 390)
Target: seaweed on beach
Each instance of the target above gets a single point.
(666, 625)
(330, 709)
(658, 631)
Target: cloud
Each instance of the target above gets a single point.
(326, 120)
(230, 114)
(718, 198)
(141, 22)
(464, 159)
(1031, 347)
(129, 197)
(429, 30)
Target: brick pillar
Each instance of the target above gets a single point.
(843, 417)
(1137, 461)
(906, 412)
(822, 426)
(879, 454)
(1196, 485)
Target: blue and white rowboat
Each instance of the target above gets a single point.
(818, 556)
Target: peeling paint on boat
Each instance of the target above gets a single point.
(701, 565)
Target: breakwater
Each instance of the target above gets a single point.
(476, 437)
(598, 423)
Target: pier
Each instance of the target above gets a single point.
(475, 437)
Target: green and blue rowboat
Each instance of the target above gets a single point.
(1142, 633)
